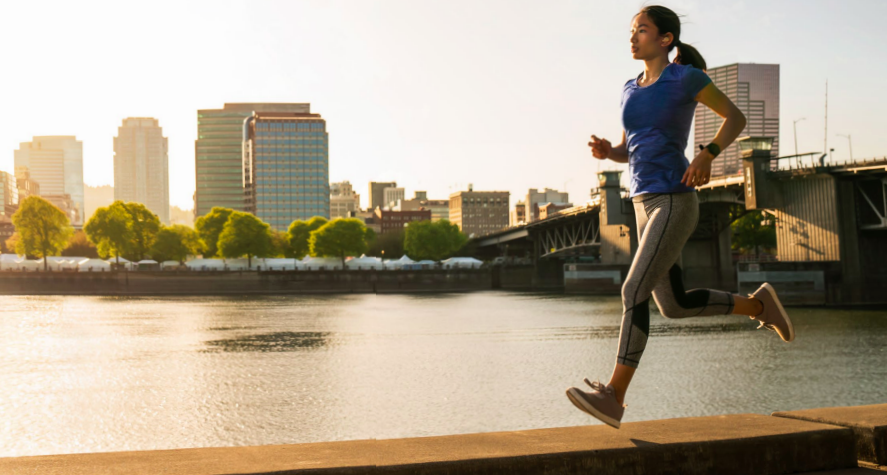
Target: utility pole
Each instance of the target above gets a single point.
(849, 142)
(825, 135)
(795, 128)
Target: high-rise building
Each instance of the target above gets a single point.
(97, 197)
(141, 165)
(219, 153)
(8, 194)
(343, 199)
(377, 194)
(536, 198)
(56, 163)
(286, 167)
(479, 212)
(754, 88)
(67, 205)
(27, 186)
(391, 195)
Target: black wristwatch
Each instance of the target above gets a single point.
(713, 148)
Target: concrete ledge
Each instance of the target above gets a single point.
(869, 425)
(733, 444)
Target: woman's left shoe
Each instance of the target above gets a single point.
(773, 317)
(600, 402)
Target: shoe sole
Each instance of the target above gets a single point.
(791, 329)
(583, 406)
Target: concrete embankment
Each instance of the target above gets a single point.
(731, 444)
(234, 283)
(868, 423)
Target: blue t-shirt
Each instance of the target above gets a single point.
(656, 119)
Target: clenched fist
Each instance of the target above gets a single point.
(600, 148)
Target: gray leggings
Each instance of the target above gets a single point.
(665, 222)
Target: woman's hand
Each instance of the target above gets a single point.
(699, 171)
(600, 148)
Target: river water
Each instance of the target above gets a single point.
(95, 374)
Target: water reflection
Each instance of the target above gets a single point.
(277, 341)
(90, 374)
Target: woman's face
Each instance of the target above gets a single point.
(646, 43)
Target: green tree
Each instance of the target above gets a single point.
(43, 229)
(300, 232)
(753, 230)
(282, 248)
(109, 230)
(209, 227)
(433, 240)
(144, 226)
(245, 235)
(176, 243)
(390, 244)
(340, 238)
(79, 245)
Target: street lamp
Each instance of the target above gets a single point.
(795, 128)
(849, 142)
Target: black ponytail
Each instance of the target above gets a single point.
(668, 21)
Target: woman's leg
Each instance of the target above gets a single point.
(665, 222)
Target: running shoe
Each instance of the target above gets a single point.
(600, 402)
(773, 317)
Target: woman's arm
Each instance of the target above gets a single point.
(602, 149)
(699, 171)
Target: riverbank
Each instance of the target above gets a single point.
(243, 282)
(731, 444)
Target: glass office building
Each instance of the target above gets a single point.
(219, 153)
(286, 167)
(56, 163)
(754, 88)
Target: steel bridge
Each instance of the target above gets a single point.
(826, 212)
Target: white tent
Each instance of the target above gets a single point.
(364, 262)
(69, 264)
(426, 264)
(170, 265)
(461, 263)
(205, 264)
(93, 265)
(125, 264)
(30, 265)
(52, 264)
(147, 264)
(315, 263)
(399, 263)
(241, 263)
(9, 262)
(280, 264)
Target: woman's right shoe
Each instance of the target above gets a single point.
(600, 402)
(773, 317)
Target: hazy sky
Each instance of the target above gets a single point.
(432, 94)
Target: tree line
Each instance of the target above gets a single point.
(131, 231)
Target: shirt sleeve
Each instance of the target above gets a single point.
(694, 80)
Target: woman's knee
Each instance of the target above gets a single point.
(670, 308)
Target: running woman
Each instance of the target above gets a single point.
(657, 108)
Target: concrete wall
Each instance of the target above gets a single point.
(735, 444)
(227, 283)
(807, 227)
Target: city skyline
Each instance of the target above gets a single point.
(537, 81)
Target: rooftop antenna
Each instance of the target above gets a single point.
(825, 138)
